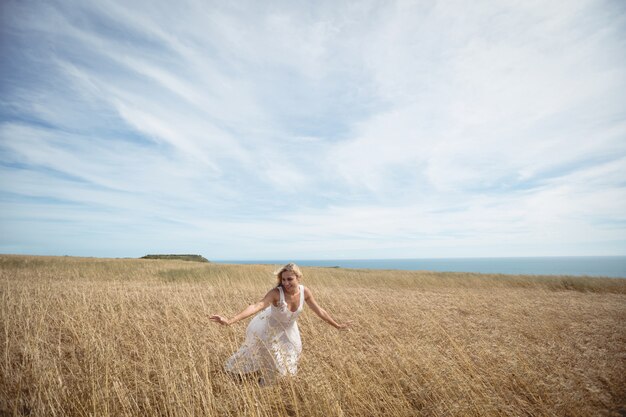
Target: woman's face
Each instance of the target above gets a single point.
(290, 281)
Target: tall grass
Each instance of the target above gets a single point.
(98, 337)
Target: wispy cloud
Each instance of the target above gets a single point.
(273, 130)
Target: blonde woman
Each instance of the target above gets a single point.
(273, 344)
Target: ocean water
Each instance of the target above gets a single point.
(595, 266)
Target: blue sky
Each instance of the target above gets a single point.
(312, 130)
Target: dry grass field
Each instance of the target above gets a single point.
(123, 337)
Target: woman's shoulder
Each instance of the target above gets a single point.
(274, 293)
(307, 292)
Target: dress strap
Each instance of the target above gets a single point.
(301, 297)
(282, 295)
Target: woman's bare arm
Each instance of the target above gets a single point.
(269, 298)
(310, 301)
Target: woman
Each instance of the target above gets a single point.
(273, 342)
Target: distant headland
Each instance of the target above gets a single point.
(194, 258)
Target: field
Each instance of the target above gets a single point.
(116, 337)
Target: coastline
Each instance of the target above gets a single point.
(612, 266)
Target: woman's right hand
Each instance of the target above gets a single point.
(219, 319)
(345, 327)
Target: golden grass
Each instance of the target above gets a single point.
(129, 337)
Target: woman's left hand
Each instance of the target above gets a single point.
(219, 319)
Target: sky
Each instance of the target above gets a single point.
(313, 130)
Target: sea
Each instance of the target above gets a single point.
(592, 266)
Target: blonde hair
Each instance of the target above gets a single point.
(290, 267)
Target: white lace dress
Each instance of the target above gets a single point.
(272, 342)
